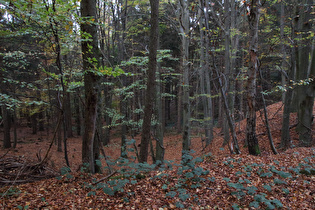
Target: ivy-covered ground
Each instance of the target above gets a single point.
(210, 178)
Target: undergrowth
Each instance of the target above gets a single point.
(190, 176)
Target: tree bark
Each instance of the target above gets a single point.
(285, 130)
(150, 91)
(89, 51)
(6, 127)
(253, 20)
(184, 32)
(205, 82)
(159, 148)
(305, 69)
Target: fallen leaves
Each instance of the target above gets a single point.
(231, 180)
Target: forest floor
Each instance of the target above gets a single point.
(220, 181)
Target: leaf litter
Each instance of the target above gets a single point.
(232, 181)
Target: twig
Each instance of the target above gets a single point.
(277, 111)
(5, 153)
(106, 177)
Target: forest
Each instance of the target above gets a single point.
(178, 104)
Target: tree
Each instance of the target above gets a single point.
(253, 21)
(305, 92)
(205, 82)
(90, 54)
(150, 91)
(183, 18)
(286, 78)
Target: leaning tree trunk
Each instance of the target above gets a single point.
(253, 20)
(150, 91)
(89, 52)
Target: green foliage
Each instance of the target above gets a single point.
(65, 172)
(22, 207)
(308, 171)
(12, 191)
(261, 199)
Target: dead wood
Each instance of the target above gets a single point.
(17, 169)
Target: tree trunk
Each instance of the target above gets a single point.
(34, 122)
(108, 120)
(184, 32)
(205, 83)
(89, 51)
(253, 20)
(6, 127)
(159, 148)
(285, 130)
(305, 69)
(77, 103)
(150, 91)
(68, 116)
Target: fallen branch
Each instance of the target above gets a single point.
(105, 178)
(15, 170)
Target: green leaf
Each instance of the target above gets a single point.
(226, 179)
(279, 181)
(184, 196)
(267, 187)
(254, 204)
(189, 175)
(268, 174)
(277, 203)
(179, 205)
(251, 190)
(237, 186)
(171, 194)
(235, 206)
(108, 191)
(91, 193)
(286, 191)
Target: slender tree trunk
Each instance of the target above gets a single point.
(59, 137)
(68, 116)
(123, 109)
(184, 32)
(272, 146)
(159, 148)
(253, 20)
(227, 71)
(150, 91)
(205, 84)
(78, 125)
(6, 127)
(229, 117)
(34, 122)
(108, 120)
(14, 128)
(179, 107)
(89, 51)
(285, 131)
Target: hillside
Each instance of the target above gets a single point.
(220, 181)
